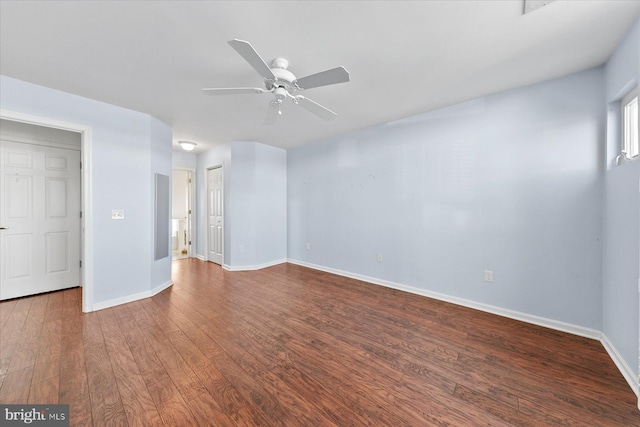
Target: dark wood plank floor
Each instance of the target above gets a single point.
(293, 347)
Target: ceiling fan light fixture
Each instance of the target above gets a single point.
(187, 145)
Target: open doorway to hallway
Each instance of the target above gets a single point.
(181, 213)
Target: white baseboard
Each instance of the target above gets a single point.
(524, 317)
(161, 287)
(131, 298)
(624, 369)
(253, 267)
(200, 257)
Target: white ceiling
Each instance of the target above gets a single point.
(405, 58)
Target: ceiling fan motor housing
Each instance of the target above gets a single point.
(284, 77)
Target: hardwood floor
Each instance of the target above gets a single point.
(292, 346)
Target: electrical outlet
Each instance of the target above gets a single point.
(488, 276)
(308, 246)
(241, 248)
(379, 257)
(117, 214)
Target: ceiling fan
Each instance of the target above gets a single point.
(282, 83)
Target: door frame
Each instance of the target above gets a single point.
(206, 210)
(190, 215)
(86, 224)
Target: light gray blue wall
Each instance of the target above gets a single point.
(161, 158)
(621, 207)
(509, 183)
(255, 202)
(121, 171)
(184, 160)
(258, 204)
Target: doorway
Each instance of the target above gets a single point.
(181, 213)
(40, 215)
(86, 222)
(215, 220)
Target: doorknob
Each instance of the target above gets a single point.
(4, 228)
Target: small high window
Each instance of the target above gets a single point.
(630, 114)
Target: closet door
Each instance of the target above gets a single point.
(40, 219)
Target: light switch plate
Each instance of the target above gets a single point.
(117, 214)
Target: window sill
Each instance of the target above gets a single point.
(621, 159)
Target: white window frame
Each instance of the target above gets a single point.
(630, 152)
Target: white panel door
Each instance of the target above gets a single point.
(40, 214)
(214, 215)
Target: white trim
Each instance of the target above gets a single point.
(622, 366)
(121, 300)
(630, 95)
(200, 257)
(87, 199)
(624, 369)
(253, 267)
(40, 142)
(206, 211)
(161, 287)
(131, 298)
(626, 100)
(524, 317)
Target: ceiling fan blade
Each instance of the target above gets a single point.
(272, 113)
(324, 78)
(232, 90)
(315, 108)
(251, 56)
